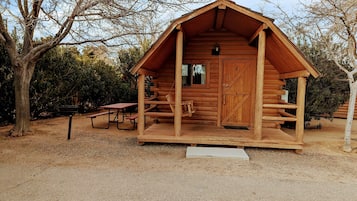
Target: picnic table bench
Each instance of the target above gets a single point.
(112, 109)
(133, 117)
(93, 116)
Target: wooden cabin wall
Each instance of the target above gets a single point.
(342, 111)
(273, 90)
(198, 50)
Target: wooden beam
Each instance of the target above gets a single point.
(300, 102)
(222, 7)
(259, 86)
(256, 33)
(147, 72)
(178, 83)
(220, 14)
(302, 73)
(178, 27)
(159, 114)
(280, 106)
(286, 114)
(154, 102)
(271, 118)
(141, 105)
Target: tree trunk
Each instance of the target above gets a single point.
(22, 78)
(351, 109)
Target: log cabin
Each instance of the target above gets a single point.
(231, 63)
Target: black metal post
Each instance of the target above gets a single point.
(69, 127)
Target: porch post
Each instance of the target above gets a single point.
(141, 105)
(300, 102)
(178, 83)
(258, 119)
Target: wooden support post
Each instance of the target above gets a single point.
(220, 93)
(178, 83)
(300, 102)
(258, 119)
(141, 105)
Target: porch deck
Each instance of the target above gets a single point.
(212, 135)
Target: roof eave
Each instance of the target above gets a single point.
(299, 55)
(170, 29)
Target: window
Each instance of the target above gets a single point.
(194, 74)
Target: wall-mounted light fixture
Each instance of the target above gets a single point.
(216, 49)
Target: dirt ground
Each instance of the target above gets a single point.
(107, 164)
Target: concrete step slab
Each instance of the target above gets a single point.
(216, 152)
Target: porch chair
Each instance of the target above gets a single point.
(187, 106)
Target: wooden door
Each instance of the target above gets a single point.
(238, 87)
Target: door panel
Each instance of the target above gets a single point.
(238, 92)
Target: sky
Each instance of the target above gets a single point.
(257, 4)
(262, 6)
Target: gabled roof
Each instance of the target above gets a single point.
(225, 14)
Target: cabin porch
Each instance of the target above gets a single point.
(213, 135)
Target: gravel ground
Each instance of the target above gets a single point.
(100, 164)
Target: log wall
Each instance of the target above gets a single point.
(198, 50)
(342, 111)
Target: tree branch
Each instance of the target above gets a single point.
(8, 41)
(23, 12)
(39, 50)
(102, 40)
(30, 25)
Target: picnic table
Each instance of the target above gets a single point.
(116, 109)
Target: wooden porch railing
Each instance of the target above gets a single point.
(285, 116)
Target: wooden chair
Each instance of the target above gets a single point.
(187, 106)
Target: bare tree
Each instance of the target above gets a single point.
(67, 22)
(332, 26)
(335, 26)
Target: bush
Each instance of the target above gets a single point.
(7, 93)
(326, 93)
(63, 78)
